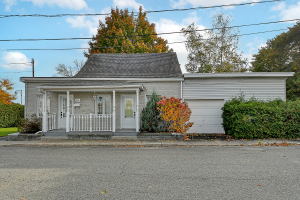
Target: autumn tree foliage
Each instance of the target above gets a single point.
(218, 51)
(175, 113)
(281, 54)
(5, 88)
(125, 33)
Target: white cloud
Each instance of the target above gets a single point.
(172, 26)
(71, 4)
(261, 45)
(15, 57)
(288, 12)
(9, 3)
(279, 6)
(91, 23)
(128, 4)
(191, 19)
(195, 3)
(179, 4)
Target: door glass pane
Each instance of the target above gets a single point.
(64, 108)
(128, 108)
(70, 106)
(107, 105)
(100, 105)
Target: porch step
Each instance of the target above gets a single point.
(124, 137)
(54, 138)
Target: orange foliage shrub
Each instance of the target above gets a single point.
(176, 114)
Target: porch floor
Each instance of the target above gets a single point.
(63, 133)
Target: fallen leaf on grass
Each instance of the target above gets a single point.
(103, 192)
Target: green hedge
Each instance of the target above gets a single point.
(256, 119)
(10, 115)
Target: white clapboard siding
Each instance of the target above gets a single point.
(264, 88)
(206, 115)
(206, 97)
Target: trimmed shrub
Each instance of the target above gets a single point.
(11, 115)
(176, 114)
(31, 124)
(255, 119)
(150, 119)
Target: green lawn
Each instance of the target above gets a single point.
(6, 131)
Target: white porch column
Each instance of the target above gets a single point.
(114, 111)
(45, 129)
(137, 111)
(68, 112)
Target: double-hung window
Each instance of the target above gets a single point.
(39, 105)
(103, 106)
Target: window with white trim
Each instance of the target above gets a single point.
(39, 105)
(103, 104)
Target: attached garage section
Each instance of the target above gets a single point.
(206, 94)
(206, 115)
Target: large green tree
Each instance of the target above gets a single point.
(122, 28)
(218, 51)
(282, 54)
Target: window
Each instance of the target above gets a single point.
(39, 105)
(103, 105)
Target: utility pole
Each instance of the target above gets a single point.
(32, 61)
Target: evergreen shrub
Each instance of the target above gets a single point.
(150, 117)
(11, 115)
(255, 119)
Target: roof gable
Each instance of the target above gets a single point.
(151, 65)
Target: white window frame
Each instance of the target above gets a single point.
(37, 101)
(103, 105)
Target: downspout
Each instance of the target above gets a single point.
(181, 89)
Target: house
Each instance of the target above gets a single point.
(109, 92)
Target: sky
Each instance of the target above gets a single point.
(86, 26)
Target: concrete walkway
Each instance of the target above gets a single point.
(137, 143)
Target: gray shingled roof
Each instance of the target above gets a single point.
(151, 65)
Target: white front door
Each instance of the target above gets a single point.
(128, 111)
(63, 110)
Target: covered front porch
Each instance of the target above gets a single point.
(82, 109)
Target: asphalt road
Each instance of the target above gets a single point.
(150, 173)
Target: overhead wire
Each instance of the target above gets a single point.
(133, 45)
(167, 33)
(153, 11)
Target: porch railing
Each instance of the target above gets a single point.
(90, 122)
(51, 121)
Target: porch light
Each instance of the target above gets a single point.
(94, 96)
